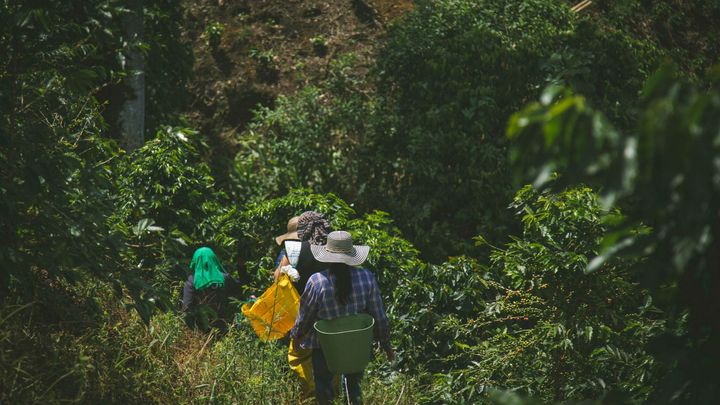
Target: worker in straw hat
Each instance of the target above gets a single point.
(339, 290)
(290, 235)
(310, 228)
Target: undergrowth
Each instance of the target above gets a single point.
(116, 358)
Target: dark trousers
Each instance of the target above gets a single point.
(324, 390)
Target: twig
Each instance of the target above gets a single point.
(580, 6)
(57, 381)
(573, 8)
(262, 355)
(202, 349)
(402, 390)
(140, 246)
(16, 311)
(105, 161)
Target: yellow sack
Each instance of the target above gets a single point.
(273, 314)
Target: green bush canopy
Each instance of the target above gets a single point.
(539, 188)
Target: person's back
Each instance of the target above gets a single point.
(362, 299)
(306, 266)
(213, 295)
(340, 290)
(207, 287)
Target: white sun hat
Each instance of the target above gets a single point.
(340, 249)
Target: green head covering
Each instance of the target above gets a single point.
(207, 268)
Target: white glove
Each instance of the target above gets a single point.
(291, 272)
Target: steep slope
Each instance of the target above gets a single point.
(270, 47)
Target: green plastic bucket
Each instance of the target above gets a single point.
(346, 342)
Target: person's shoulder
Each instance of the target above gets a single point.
(318, 278)
(365, 273)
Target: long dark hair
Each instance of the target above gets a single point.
(343, 281)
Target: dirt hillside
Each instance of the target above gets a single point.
(271, 47)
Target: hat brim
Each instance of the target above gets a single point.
(355, 257)
(290, 235)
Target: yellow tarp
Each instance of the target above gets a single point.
(273, 314)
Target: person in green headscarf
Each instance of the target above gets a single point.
(207, 282)
(207, 270)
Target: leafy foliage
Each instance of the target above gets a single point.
(213, 33)
(533, 320)
(682, 29)
(666, 173)
(57, 171)
(167, 181)
(452, 72)
(307, 140)
(421, 136)
(54, 184)
(586, 303)
(168, 62)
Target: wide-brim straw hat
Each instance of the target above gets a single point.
(291, 233)
(340, 249)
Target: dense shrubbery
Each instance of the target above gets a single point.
(683, 29)
(77, 342)
(533, 320)
(422, 136)
(666, 173)
(308, 140)
(165, 186)
(450, 74)
(54, 187)
(96, 241)
(56, 177)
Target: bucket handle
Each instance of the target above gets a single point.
(345, 331)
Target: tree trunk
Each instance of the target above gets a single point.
(132, 115)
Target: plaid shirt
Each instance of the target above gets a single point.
(318, 302)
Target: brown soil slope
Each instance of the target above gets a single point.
(268, 48)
